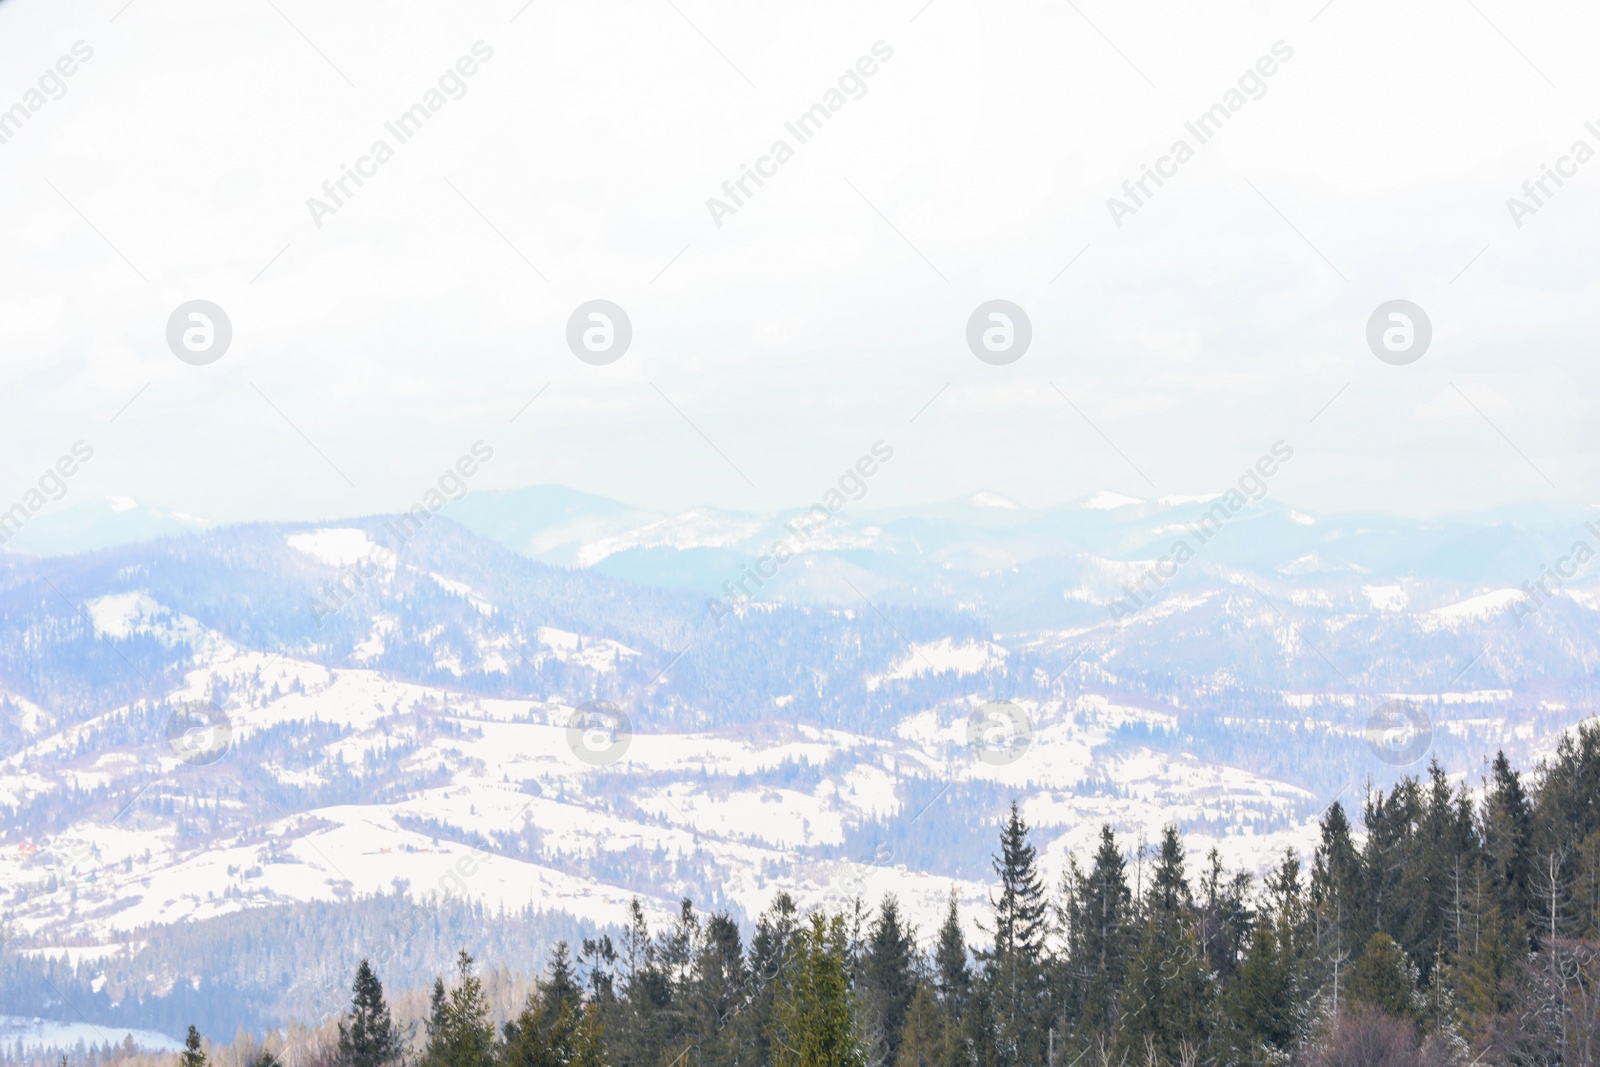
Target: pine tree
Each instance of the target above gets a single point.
(1098, 916)
(370, 1037)
(889, 979)
(772, 951)
(555, 1029)
(1014, 969)
(814, 1022)
(459, 1034)
(1167, 1003)
(718, 991)
(928, 1039)
(1383, 978)
(191, 1056)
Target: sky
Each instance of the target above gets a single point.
(376, 337)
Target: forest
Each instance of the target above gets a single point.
(1457, 924)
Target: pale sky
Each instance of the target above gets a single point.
(832, 306)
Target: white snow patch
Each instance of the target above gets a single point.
(44, 1034)
(697, 528)
(1105, 500)
(1385, 597)
(1478, 607)
(335, 547)
(943, 656)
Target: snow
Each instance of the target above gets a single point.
(465, 591)
(1478, 607)
(598, 654)
(700, 796)
(122, 503)
(122, 615)
(336, 547)
(48, 1034)
(1385, 597)
(697, 528)
(987, 499)
(943, 656)
(1105, 500)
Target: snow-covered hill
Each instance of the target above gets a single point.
(308, 716)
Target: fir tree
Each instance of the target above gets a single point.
(459, 1034)
(889, 979)
(369, 1037)
(191, 1056)
(814, 1022)
(555, 1029)
(1384, 979)
(1014, 969)
(928, 1039)
(1167, 1002)
(1098, 916)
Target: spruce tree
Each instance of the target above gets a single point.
(1167, 1003)
(814, 1022)
(1098, 913)
(1507, 833)
(1225, 919)
(437, 1023)
(718, 991)
(555, 1029)
(952, 974)
(191, 1056)
(772, 950)
(1262, 1005)
(889, 979)
(1014, 968)
(459, 1034)
(1383, 978)
(368, 1037)
(928, 1039)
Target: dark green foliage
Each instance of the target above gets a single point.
(555, 1028)
(888, 979)
(1100, 934)
(814, 1023)
(191, 1056)
(368, 1037)
(1167, 1004)
(1384, 979)
(1014, 968)
(459, 1033)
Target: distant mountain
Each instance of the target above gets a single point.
(86, 525)
(294, 716)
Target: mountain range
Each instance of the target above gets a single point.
(544, 703)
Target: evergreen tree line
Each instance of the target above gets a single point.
(1456, 928)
